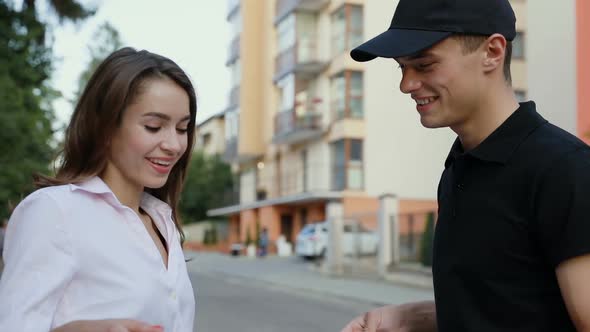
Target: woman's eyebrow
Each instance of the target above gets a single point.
(165, 116)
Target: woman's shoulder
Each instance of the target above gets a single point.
(59, 195)
(52, 192)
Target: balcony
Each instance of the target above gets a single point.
(234, 98)
(286, 7)
(233, 52)
(301, 59)
(232, 7)
(293, 127)
(231, 150)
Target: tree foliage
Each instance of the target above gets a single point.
(105, 40)
(26, 116)
(207, 182)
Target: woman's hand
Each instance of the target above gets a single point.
(108, 325)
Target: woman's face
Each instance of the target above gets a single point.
(151, 137)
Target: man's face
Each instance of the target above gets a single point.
(445, 83)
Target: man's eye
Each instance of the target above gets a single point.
(152, 129)
(425, 65)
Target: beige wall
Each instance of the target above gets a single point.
(552, 61)
(256, 17)
(401, 156)
(247, 186)
(215, 128)
(319, 170)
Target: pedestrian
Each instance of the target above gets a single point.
(263, 242)
(98, 247)
(512, 241)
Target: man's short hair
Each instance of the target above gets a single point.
(470, 43)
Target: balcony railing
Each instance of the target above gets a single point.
(301, 58)
(291, 127)
(285, 7)
(234, 97)
(233, 52)
(231, 150)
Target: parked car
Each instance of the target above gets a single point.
(312, 240)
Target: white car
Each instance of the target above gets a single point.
(312, 240)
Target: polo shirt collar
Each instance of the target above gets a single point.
(501, 144)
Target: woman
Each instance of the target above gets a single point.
(98, 247)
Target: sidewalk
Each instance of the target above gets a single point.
(297, 274)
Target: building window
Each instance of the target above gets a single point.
(347, 95)
(205, 140)
(518, 51)
(347, 159)
(347, 28)
(520, 95)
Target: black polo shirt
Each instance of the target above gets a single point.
(510, 211)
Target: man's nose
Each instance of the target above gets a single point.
(410, 81)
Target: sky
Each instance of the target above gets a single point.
(193, 33)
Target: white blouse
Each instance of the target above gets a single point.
(74, 252)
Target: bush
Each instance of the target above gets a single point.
(213, 234)
(427, 239)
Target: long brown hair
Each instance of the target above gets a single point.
(112, 88)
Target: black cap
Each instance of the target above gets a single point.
(419, 24)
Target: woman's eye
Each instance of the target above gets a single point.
(182, 130)
(152, 129)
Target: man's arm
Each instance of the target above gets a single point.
(409, 317)
(573, 276)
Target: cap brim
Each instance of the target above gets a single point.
(395, 43)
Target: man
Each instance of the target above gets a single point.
(512, 241)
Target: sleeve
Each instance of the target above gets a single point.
(562, 208)
(39, 263)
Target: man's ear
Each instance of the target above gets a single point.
(494, 52)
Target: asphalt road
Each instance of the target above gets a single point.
(226, 304)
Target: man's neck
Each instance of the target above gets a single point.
(493, 110)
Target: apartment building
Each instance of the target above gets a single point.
(295, 124)
(210, 135)
(307, 127)
(559, 73)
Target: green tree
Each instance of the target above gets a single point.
(427, 238)
(26, 116)
(207, 181)
(105, 40)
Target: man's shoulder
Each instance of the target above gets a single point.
(550, 146)
(549, 141)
